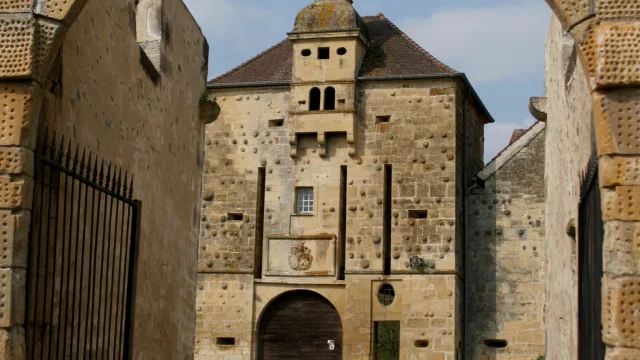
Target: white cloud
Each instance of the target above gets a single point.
(487, 43)
(498, 135)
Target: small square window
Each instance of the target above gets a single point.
(323, 53)
(385, 119)
(418, 214)
(225, 341)
(304, 201)
(276, 123)
(235, 217)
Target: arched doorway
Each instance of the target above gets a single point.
(300, 325)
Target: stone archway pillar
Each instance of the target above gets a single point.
(607, 34)
(31, 32)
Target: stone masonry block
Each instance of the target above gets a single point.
(12, 344)
(18, 103)
(18, 47)
(617, 10)
(15, 160)
(12, 6)
(63, 10)
(610, 53)
(619, 171)
(29, 45)
(622, 354)
(12, 297)
(14, 239)
(621, 312)
(617, 121)
(570, 12)
(622, 248)
(604, 133)
(15, 194)
(621, 203)
(50, 34)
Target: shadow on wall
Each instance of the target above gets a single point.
(506, 257)
(483, 238)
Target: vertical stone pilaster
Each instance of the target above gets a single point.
(31, 31)
(608, 36)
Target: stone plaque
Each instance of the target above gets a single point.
(290, 255)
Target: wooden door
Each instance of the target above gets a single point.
(300, 325)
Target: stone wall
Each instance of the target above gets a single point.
(507, 258)
(569, 138)
(103, 98)
(415, 127)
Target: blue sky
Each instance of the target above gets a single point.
(499, 44)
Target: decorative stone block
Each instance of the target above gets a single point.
(19, 106)
(617, 10)
(64, 10)
(14, 239)
(621, 203)
(29, 45)
(50, 36)
(12, 344)
(622, 249)
(570, 12)
(15, 194)
(623, 354)
(621, 312)
(12, 293)
(610, 53)
(619, 171)
(617, 121)
(12, 6)
(17, 49)
(16, 160)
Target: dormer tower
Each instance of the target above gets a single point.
(329, 41)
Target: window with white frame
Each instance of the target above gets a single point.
(304, 200)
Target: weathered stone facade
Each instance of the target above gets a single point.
(79, 71)
(507, 253)
(569, 138)
(602, 34)
(414, 129)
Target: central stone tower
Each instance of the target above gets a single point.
(332, 206)
(329, 42)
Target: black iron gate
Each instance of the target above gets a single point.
(591, 238)
(82, 257)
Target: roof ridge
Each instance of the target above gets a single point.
(415, 44)
(265, 52)
(514, 145)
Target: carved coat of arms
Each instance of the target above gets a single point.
(301, 258)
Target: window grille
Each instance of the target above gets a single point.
(304, 202)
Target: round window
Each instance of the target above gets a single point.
(342, 51)
(306, 52)
(386, 294)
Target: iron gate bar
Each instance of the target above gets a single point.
(117, 327)
(98, 179)
(71, 309)
(84, 233)
(590, 266)
(123, 311)
(132, 280)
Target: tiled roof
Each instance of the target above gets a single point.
(274, 64)
(524, 138)
(391, 53)
(517, 134)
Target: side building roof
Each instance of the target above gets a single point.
(392, 55)
(514, 147)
